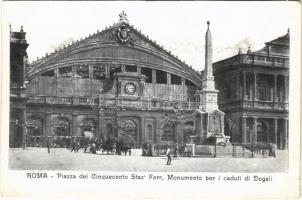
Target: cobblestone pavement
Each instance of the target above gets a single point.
(63, 159)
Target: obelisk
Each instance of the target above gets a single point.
(208, 119)
(208, 97)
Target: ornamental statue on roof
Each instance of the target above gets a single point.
(123, 17)
(123, 33)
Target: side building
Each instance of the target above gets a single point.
(18, 56)
(254, 94)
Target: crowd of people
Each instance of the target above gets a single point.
(93, 145)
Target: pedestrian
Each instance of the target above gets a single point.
(272, 150)
(85, 148)
(93, 148)
(77, 146)
(73, 146)
(168, 153)
(48, 144)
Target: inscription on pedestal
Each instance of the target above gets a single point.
(211, 98)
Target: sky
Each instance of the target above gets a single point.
(178, 26)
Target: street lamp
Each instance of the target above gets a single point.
(179, 119)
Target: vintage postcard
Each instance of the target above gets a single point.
(111, 99)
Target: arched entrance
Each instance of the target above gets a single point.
(128, 134)
(168, 134)
(34, 127)
(34, 131)
(88, 128)
(262, 132)
(61, 127)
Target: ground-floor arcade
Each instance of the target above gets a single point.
(136, 127)
(258, 128)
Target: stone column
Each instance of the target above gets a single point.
(154, 82)
(170, 97)
(153, 76)
(107, 71)
(101, 125)
(254, 134)
(47, 124)
(139, 70)
(73, 89)
(74, 124)
(122, 68)
(255, 86)
(275, 131)
(275, 88)
(168, 78)
(285, 133)
(142, 131)
(244, 85)
(183, 84)
(237, 124)
(90, 68)
(238, 85)
(157, 131)
(56, 81)
(286, 88)
(180, 133)
(23, 127)
(244, 129)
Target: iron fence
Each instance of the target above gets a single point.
(228, 150)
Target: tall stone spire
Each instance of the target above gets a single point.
(208, 119)
(208, 93)
(208, 53)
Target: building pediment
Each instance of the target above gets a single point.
(120, 43)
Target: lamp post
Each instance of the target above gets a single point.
(179, 119)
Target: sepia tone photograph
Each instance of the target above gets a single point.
(151, 88)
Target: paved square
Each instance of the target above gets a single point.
(63, 159)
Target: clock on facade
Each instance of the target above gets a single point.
(130, 88)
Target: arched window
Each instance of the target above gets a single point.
(128, 133)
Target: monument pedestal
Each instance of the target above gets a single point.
(208, 119)
(209, 127)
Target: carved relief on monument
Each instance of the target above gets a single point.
(215, 122)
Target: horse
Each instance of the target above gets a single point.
(109, 147)
(122, 147)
